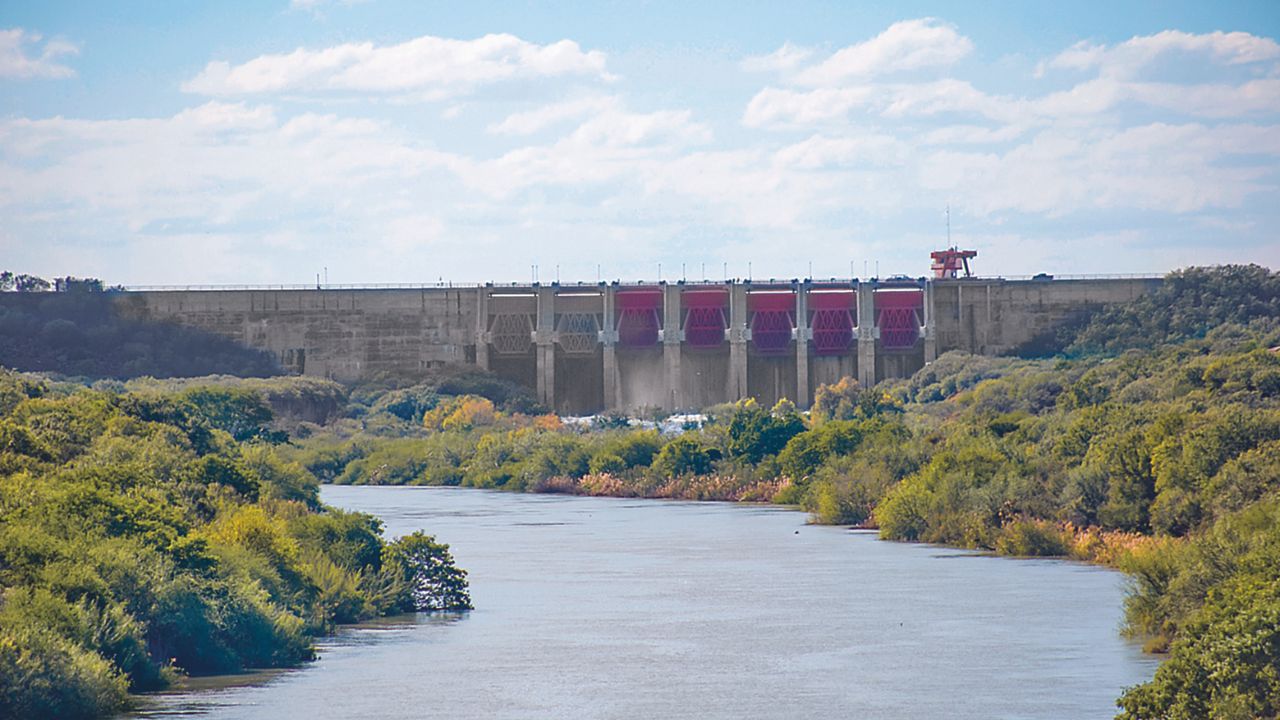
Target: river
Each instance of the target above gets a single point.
(612, 608)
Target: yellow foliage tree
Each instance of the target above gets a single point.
(461, 413)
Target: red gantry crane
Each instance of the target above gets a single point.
(948, 263)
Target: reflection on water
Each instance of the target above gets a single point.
(607, 608)
(201, 696)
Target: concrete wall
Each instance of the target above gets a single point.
(350, 335)
(991, 317)
(341, 334)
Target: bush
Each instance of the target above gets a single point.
(905, 513)
(43, 675)
(1225, 663)
(429, 577)
(139, 538)
(636, 448)
(683, 456)
(847, 400)
(1185, 306)
(607, 463)
(807, 451)
(755, 433)
(1030, 538)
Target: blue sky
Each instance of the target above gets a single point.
(183, 142)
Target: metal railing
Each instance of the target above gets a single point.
(448, 285)
(1093, 276)
(305, 286)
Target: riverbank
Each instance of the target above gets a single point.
(1022, 538)
(153, 534)
(600, 607)
(1155, 448)
(1151, 443)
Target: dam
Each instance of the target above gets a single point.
(591, 347)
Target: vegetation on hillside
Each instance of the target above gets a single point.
(78, 331)
(1153, 445)
(1150, 442)
(151, 532)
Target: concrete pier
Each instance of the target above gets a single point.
(803, 338)
(609, 350)
(737, 385)
(544, 340)
(672, 337)
(866, 335)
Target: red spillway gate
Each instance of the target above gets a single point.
(898, 317)
(511, 333)
(831, 322)
(772, 318)
(639, 315)
(706, 315)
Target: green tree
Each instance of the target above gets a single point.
(1126, 458)
(848, 400)
(755, 433)
(1225, 666)
(683, 456)
(239, 412)
(807, 451)
(427, 573)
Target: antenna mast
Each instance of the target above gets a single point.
(948, 263)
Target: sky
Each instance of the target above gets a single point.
(171, 142)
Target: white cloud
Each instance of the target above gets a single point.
(227, 116)
(314, 5)
(776, 106)
(819, 151)
(16, 60)
(735, 188)
(971, 135)
(857, 153)
(213, 164)
(618, 128)
(610, 145)
(1123, 75)
(786, 58)
(906, 45)
(784, 108)
(1128, 58)
(1212, 101)
(947, 95)
(529, 122)
(433, 66)
(1157, 167)
(228, 169)
(1118, 86)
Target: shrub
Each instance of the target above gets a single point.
(1225, 663)
(847, 400)
(905, 512)
(1031, 538)
(427, 573)
(807, 451)
(44, 675)
(683, 456)
(607, 463)
(755, 433)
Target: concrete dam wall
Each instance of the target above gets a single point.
(592, 347)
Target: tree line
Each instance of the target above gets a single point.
(1150, 442)
(149, 532)
(79, 331)
(1146, 437)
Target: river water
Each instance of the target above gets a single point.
(611, 608)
